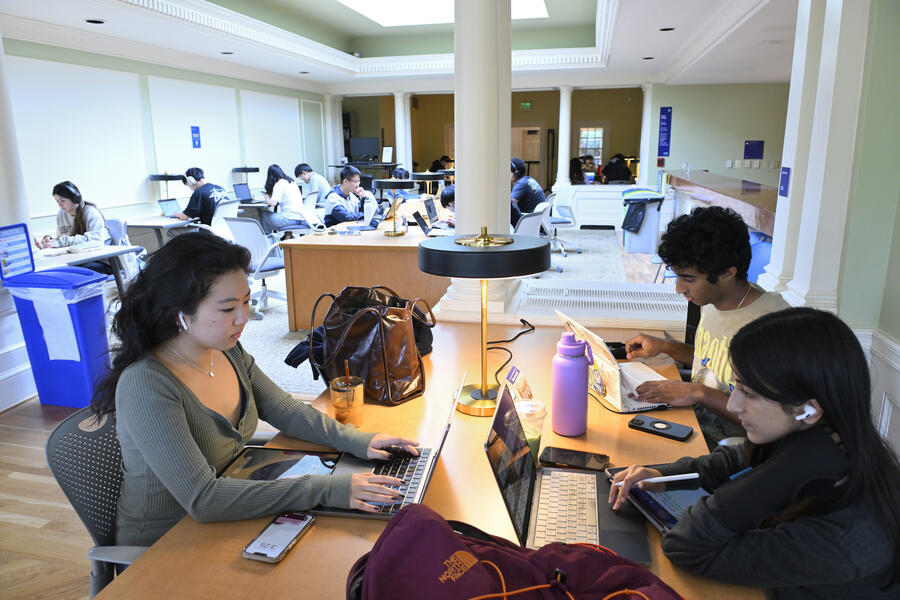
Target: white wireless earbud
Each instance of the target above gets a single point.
(808, 411)
(184, 325)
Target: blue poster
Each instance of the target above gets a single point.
(195, 136)
(753, 149)
(785, 183)
(665, 130)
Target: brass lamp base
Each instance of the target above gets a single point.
(390, 233)
(471, 402)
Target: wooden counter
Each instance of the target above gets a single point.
(755, 202)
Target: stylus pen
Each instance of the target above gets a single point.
(666, 478)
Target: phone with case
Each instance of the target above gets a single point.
(279, 536)
(667, 429)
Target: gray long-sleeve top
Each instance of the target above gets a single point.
(174, 448)
(843, 554)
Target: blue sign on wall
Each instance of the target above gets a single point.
(195, 136)
(665, 130)
(753, 149)
(785, 183)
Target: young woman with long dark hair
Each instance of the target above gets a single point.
(187, 397)
(809, 506)
(78, 221)
(281, 192)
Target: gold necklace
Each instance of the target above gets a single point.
(739, 303)
(204, 371)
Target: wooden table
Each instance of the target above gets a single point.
(203, 561)
(319, 263)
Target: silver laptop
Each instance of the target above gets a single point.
(169, 207)
(429, 231)
(242, 192)
(556, 505)
(415, 471)
(431, 211)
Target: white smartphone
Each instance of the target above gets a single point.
(279, 536)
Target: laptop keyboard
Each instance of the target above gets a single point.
(567, 509)
(410, 469)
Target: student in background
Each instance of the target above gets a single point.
(447, 197)
(576, 173)
(78, 221)
(526, 192)
(345, 201)
(187, 398)
(205, 197)
(401, 173)
(809, 506)
(281, 192)
(616, 171)
(312, 180)
(709, 251)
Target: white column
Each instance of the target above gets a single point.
(16, 378)
(564, 136)
(329, 134)
(402, 131)
(646, 157)
(832, 144)
(482, 96)
(796, 149)
(334, 134)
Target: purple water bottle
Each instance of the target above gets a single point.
(570, 386)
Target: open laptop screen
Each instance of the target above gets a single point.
(511, 461)
(242, 192)
(169, 207)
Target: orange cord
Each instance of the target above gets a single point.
(505, 594)
(627, 591)
(598, 548)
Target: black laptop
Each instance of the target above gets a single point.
(556, 505)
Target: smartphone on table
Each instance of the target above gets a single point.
(279, 536)
(667, 429)
(573, 459)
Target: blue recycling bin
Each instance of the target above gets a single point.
(62, 318)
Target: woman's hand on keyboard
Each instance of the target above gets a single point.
(367, 487)
(379, 447)
(630, 477)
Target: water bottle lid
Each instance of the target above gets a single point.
(568, 345)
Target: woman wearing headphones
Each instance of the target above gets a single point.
(809, 505)
(77, 221)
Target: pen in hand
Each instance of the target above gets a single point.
(665, 478)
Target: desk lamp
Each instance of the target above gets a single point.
(483, 257)
(428, 177)
(394, 184)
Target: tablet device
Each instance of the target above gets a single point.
(662, 509)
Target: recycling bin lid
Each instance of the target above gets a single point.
(60, 278)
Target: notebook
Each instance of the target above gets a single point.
(556, 505)
(662, 509)
(432, 213)
(271, 463)
(429, 231)
(242, 192)
(609, 380)
(169, 207)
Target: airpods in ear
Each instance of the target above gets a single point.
(184, 324)
(808, 411)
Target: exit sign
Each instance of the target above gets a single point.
(524, 106)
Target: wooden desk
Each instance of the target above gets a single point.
(319, 263)
(203, 561)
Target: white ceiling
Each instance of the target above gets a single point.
(714, 41)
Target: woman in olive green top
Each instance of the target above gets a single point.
(187, 398)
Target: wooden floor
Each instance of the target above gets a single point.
(43, 545)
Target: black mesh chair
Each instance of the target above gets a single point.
(86, 460)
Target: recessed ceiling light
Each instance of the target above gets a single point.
(304, 72)
(667, 29)
(226, 52)
(95, 21)
(648, 58)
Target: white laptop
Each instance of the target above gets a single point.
(430, 231)
(169, 207)
(609, 380)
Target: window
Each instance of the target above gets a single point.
(590, 141)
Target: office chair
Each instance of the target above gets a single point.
(530, 224)
(266, 258)
(760, 254)
(551, 224)
(132, 262)
(86, 461)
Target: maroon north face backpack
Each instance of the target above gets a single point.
(421, 555)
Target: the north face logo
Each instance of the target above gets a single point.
(457, 565)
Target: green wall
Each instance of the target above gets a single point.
(711, 122)
(870, 270)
